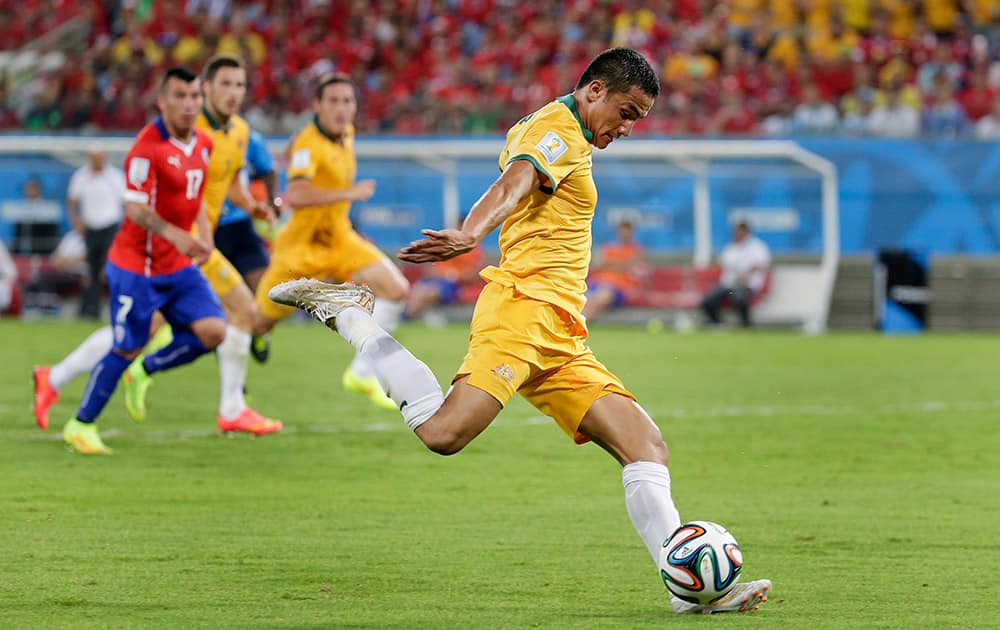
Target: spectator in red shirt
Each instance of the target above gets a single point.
(977, 97)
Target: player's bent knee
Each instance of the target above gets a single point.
(262, 324)
(661, 454)
(128, 354)
(441, 440)
(210, 332)
(396, 292)
(445, 445)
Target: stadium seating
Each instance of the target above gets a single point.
(665, 288)
(422, 68)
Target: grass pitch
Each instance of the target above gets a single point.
(858, 472)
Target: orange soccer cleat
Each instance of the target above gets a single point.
(45, 396)
(249, 421)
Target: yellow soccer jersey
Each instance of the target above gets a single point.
(325, 163)
(545, 243)
(228, 156)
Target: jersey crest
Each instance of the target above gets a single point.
(552, 146)
(138, 171)
(300, 159)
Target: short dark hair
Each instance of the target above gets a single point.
(220, 61)
(331, 79)
(181, 73)
(620, 69)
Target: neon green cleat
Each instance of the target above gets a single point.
(83, 437)
(370, 387)
(136, 383)
(161, 339)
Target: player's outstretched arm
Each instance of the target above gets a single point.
(239, 194)
(492, 209)
(302, 193)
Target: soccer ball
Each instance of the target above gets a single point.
(700, 562)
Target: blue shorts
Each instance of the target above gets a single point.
(619, 300)
(241, 245)
(183, 297)
(447, 289)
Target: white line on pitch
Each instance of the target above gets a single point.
(917, 407)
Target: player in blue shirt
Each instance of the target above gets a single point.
(236, 236)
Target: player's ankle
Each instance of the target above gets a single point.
(355, 325)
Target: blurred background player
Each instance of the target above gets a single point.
(94, 205)
(224, 87)
(616, 273)
(150, 262)
(443, 280)
(318, 241)
(527, 334)
(745, 263)
(236, 235)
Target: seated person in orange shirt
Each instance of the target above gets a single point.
(615, 273)
(442, 281)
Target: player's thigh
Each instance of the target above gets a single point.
(233, 293)
(504, 349)
(466, 413)
(271, 312)
(211, 331)
(619, 425)
(192, 300)
(239, 305)
(222, 276)
(567, 393)
(253, 277)
(359, 260)
(385, 279)
(243, 247)
(133, 302)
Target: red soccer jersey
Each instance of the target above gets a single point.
(169, 176)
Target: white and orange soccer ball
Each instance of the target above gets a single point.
(700, 562)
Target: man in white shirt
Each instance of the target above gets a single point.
(95, 207)
(745, 263)
(896, 118)
(8, 281)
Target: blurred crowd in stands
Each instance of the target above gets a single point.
(897, 68)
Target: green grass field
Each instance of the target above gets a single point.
(860, 473)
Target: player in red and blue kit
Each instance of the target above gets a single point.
(150, 264)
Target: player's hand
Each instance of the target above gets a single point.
(196, 248)
(363, 190)
(439, 245)
(277, 204)
(263, 210)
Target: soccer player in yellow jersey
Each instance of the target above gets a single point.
(224, 85)
(318, 240)
(527, 333)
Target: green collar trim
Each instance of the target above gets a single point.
(570, 101)
(212, 122)
(329, 136)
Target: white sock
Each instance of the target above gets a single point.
(234, 359)
(83, 359)
(387, 314)
(649, 504)
(406, 379)
(360, 366)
